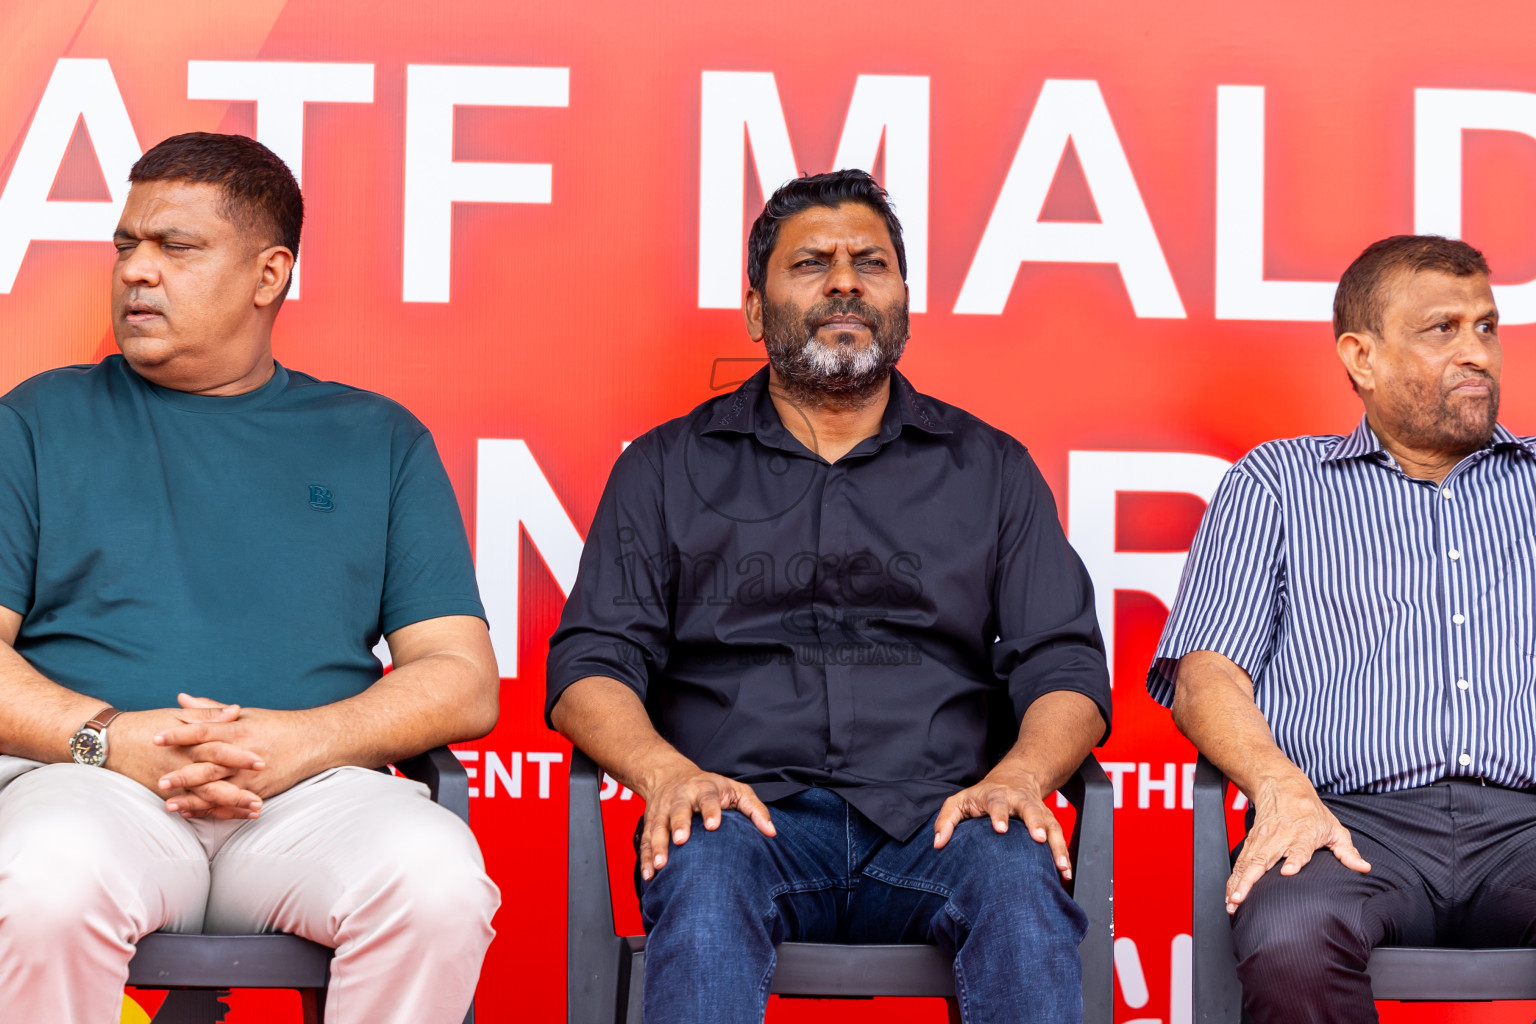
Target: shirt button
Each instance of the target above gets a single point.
(1458, 618)
(1446, 494)
(1454, 554)
(1462, 684)
(1464, 760)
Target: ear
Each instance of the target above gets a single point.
(752, 311)
(276, 268)
(1358, 351)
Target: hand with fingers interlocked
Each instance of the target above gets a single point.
(171, 769)
(205, 786)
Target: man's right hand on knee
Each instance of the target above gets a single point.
(674, 798)
(1291, 821)
(1213, 705)
(606, 718)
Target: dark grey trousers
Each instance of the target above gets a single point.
(1452, 864)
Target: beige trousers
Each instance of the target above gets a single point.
(355, 859)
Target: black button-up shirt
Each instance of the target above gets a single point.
(875, 626)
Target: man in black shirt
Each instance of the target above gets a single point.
(829, 603)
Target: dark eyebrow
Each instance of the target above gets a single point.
(170, 234)
(1440, 316)
(813, 250)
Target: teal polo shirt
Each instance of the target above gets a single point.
(251, 549)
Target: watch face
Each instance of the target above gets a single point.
(89, 748)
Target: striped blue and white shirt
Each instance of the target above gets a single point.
(1389, 624)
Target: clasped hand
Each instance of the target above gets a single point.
(1002, 795)
(1289, 821)
(206, 758)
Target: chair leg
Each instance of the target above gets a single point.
(313, 1002)
(631, 986)
(192, 1006)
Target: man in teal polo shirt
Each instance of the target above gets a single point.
(199, 549)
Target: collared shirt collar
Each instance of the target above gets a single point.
(750, 410)
(1363, 442)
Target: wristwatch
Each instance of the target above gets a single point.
(89, 743)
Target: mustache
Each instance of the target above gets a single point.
(851, 305)
(132, 303)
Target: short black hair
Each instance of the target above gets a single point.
(1360, 302)
(260, 193)
(807, 192)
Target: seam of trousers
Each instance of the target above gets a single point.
(848, 860)
(795, 888)
(773, 965)
(903, 882)
(962, 994)
(954, 912)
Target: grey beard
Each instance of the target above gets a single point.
(815, 372)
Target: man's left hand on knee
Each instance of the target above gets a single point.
(1005, 794)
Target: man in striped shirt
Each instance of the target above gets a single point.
(1354, 644)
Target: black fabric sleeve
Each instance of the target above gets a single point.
(617, 620)
(1048, 634)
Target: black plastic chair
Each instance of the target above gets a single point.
(1398, 973)
(606, 972)
(201, 969)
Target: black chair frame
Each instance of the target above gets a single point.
(1398, 973)
(606, 972)
(201, 969)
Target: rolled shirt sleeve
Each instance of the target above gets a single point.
(1048, 633)
(1232, 592)
(616, 620)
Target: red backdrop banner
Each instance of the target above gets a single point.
(526, 222)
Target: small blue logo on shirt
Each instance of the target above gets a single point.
(320, 499)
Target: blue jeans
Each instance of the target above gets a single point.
(727, 898)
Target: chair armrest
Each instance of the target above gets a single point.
(592, 948)
(1218, 996)
(1092, 848)
(587, 881)
(444, 776)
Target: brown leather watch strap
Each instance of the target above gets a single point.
(103, 718)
